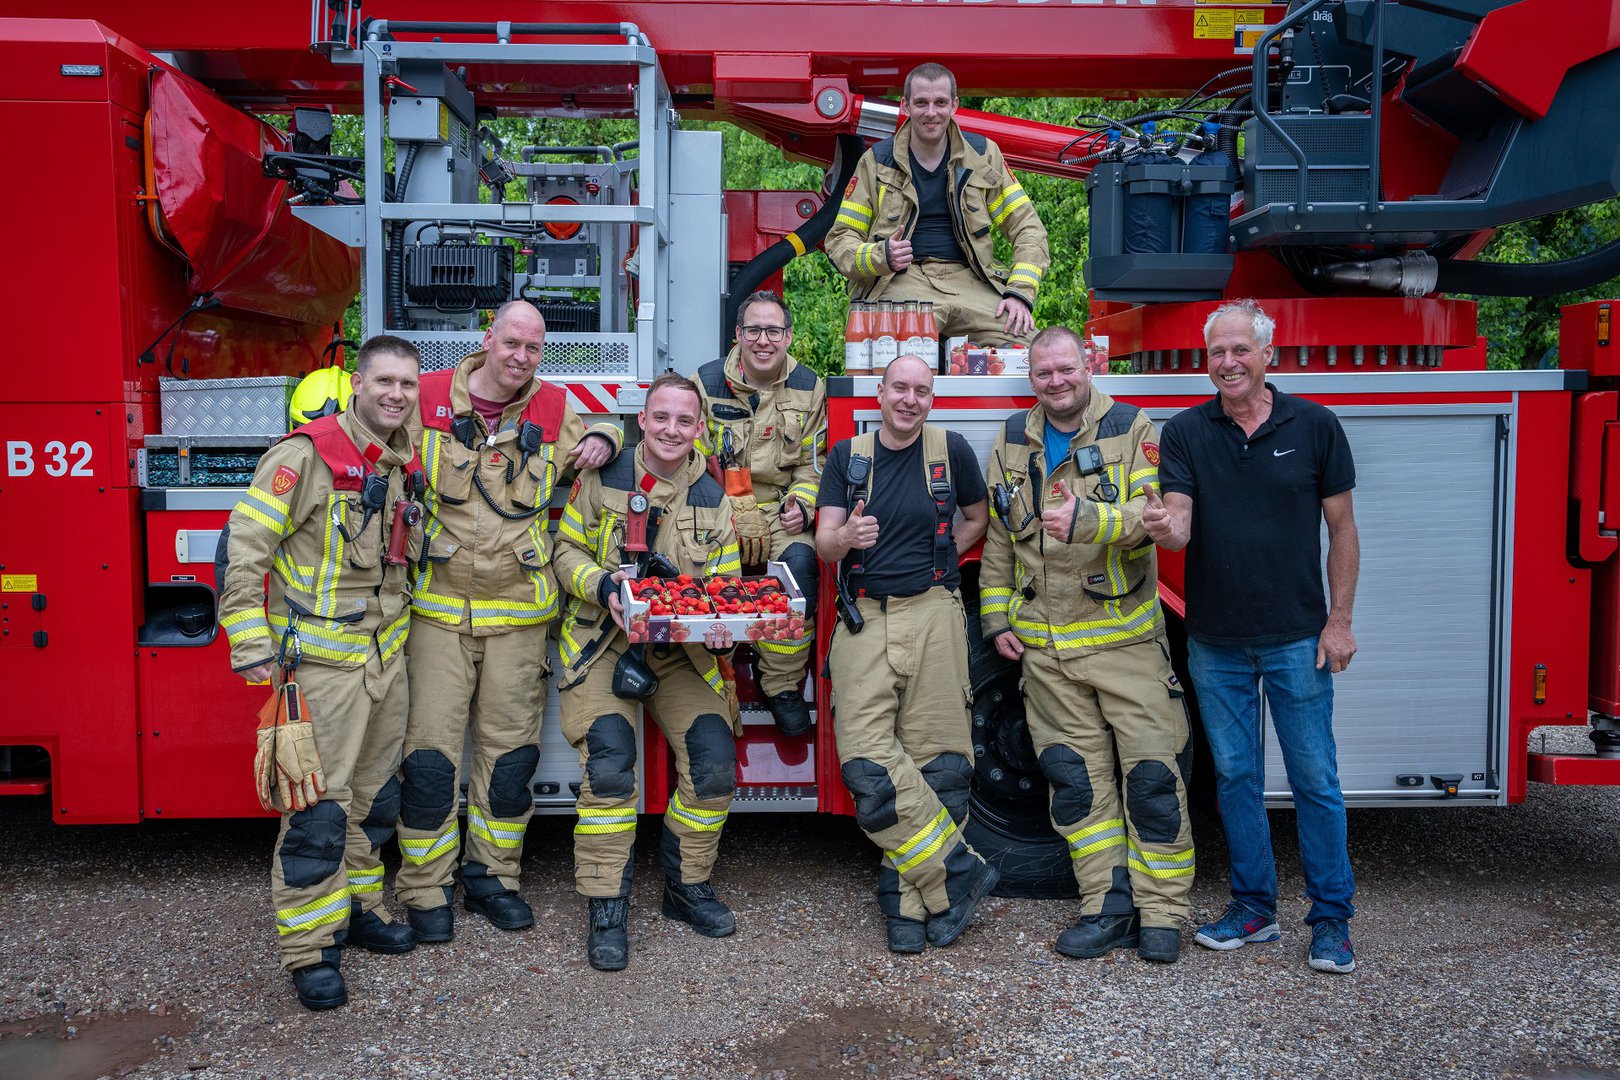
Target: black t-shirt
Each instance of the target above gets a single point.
(934, 238)
(901, 563)
(1254, 562)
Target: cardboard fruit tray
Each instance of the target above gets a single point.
(644, 626)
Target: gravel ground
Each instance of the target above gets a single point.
(1486, 941)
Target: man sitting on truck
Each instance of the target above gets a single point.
(764, 413)
(320, 519)
(915, 222)
(887, 515)
(655, 506)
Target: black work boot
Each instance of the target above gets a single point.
(1160, 944)
(947, 926)
(320, 985)
(434, 924)
(505, 909)
(697, 904)
(367, 930)
(791, 714)
(906, 935)
(608, 943)
(1095, 935)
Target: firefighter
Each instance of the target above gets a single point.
(319, 518)
(764, 416)
(1069, 587)
(494, 439)
(656, 506)
(915, 222)
(899, 661)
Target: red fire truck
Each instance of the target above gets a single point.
(1362, 155)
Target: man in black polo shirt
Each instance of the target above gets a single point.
(1249, 477)
(887, 514)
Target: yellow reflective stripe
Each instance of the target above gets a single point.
(503, 834)
(302, 577)
(331, 908)
(1119, 626)
(698, 820)
(572, 525)
(724, 561)
(805, 493)
(600, 538)
(784, 648)
(1110, 524)
(1096, 837)
(713, 678)
(1007, 192)
(595, 820)
(850, 207)
(393, 637)
(1022, 200)
(586, 580)
(245, 625)
(926, 842)
(1161, 865)
(266, 509)
(418, 850)
(855, 223)
(1029, 269)
(368, 880)
(1015, 280)
(994, 601)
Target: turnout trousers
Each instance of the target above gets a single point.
(493, 688)
(328, 856)
(693, 714)
(900, 715)
(1090, 713)
(781, 664)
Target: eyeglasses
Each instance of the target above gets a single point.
(769, 333)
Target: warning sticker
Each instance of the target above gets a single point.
(1222, 25)
(19, 583)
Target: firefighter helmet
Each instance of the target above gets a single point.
(321, 393)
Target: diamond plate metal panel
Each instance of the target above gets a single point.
(256, 406)
(580, 356)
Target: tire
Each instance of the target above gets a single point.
(1007, 808)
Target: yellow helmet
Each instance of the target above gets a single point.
(320, 393)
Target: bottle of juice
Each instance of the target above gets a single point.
(858, 339)
(885, 346)
(928, 330)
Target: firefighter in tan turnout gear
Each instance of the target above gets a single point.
(888, 504)
(1069, 586)
(323, 518)
(916, 222)
(657, 507)
(494, 441)
(764, 416)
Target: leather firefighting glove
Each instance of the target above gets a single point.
(287, 768)
(753, 530)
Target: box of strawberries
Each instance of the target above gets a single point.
(683, 608)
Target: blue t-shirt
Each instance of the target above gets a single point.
(1057, 447)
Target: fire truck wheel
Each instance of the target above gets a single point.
(1033, 860)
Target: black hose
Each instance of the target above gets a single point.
(1531, 279)
(395, 316)
(810, 234)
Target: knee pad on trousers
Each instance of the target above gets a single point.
(428, 794)
(949, 776)
(384, 814)
(874, 793)
(312, 850)
(1152, 802)
(711, 752)
(610, 757)
(1065, 771)
(801, 559)
(509, 794)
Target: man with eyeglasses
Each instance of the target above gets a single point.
(916, 222)
(764, 415)
(1069, 588)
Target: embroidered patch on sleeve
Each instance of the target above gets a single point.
(283, 481)
(1151, 452)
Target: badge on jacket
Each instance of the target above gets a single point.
(283, 480)
(1151, 452)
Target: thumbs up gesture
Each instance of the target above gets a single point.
(1156, 520)
(860, 531)
(1058, 521)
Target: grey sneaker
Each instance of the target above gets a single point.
(1237, 928)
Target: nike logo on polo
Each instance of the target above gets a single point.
(1282, 453)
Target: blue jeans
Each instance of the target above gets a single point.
(1228, 680)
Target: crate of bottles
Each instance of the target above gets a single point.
(877, 331)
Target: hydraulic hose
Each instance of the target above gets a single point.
(796, 243)
(1531, 279)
